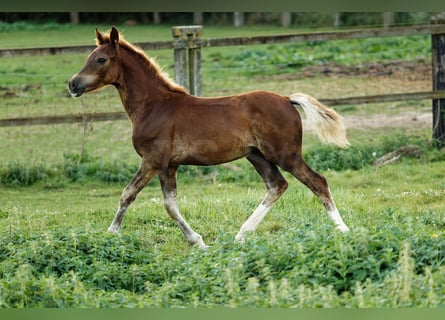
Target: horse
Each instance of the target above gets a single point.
(171, 127)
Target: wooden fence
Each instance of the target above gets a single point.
(187, 43)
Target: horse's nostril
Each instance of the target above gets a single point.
(72, 84)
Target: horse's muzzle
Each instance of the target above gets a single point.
(75, 88)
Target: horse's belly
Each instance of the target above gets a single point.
(207, 153)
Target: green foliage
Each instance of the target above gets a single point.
(80, 268)
(292, 57)
(321, 157)
(77, 168)
(393, 256)
(17, 174)
(73, 169)
(29, 26)
(358, 156)
(328, 157)
(221, 19)
(238, 171)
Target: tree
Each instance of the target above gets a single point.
(286, 19)
(238, 19)
(74, 17)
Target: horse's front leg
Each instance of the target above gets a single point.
(168, 184)
(139, 181)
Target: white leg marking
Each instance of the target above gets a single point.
(113, 229)
(338, 221)
(252, 223)
(193, 237)
(128, 192)
(334, 215)
(118, 218)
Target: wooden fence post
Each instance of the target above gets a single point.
(187, 54)
(180, 57)
(438, 57)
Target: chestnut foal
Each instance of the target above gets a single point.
(172, 128)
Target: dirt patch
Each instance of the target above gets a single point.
(363, 122)
(403, 120)
(418, 70)
(406, 73)
(409, 70)
(6, 92)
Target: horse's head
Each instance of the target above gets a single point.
(101, 68)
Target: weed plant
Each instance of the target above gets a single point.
(291, 57)
(393, 256)
(358, 156)
(80, 168)
(27, 26)
(18, 174)
(77, 267)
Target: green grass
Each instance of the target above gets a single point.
(60, 187)
(29, 35)
(55, 250)
(288, 57)
(79, 166)
(37, 85)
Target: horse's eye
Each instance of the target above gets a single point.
(101, 60)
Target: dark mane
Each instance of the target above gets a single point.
(151, 63)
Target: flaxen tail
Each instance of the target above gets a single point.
(328, 124)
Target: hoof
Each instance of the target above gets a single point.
(342, 228)
(202, 246)
(113, 230)
(197, 241)
(240, 238)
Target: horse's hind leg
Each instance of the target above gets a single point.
(275, 184)
(318, 185)
(141, 178)
(168, 184)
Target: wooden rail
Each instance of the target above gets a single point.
(329, 35)
(239, 41)
(188, 39)
(74, 49)
(67, 118)
(428, 95)
(112, 116)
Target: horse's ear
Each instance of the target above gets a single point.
(114, 36)
(99, 38)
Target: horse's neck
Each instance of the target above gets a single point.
(139, 87)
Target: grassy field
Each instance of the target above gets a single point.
(60, 186)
